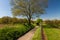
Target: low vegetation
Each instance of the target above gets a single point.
(37, 35)
(12, 33)
(52, 23)
(52, 33)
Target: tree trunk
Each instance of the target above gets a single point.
(29, 21)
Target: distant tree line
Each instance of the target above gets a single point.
(53, 23)
(12, 20)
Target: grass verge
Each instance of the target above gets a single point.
(37, 35)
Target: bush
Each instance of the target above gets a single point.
(0, 20)
(6, 20)
(12, 33)
(39, 21)
(52, 23)
(12, 20)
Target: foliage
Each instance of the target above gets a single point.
(39, 21)
(28, 8)
(12, 33)
(53, 23)
(6, 20)
(12, 20)
(0, 20)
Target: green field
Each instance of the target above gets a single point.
(13, 32)
(37, 35)
(52, 33)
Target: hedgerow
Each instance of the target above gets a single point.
(13, 33)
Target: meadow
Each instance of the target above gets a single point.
(52, 33)
(13, 32)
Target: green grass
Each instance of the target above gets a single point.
(37, 35)
(52, 33)
(14, 31)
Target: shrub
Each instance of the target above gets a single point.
(6, 20)
(52, 23)
(39, 21)
(12, 33)
(12, 20)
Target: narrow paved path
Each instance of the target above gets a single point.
(29, 35)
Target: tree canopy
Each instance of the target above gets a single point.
(28, 8)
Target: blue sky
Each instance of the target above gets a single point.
(53, 10)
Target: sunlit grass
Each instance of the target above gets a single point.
(37, 35)
(12, 33)
(52, 33)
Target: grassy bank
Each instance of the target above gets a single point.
(12, 33)
(37, 35)
(52, 33)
